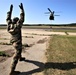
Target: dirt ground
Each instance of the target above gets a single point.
(34, 54)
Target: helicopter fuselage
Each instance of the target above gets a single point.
(51, 17)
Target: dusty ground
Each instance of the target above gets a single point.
(35, 54)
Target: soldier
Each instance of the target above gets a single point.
(14, 28)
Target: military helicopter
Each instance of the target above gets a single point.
(51, 17)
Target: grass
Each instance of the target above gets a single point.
(48, 27)
(3, 43)
(25, 45)
(64, 30)
(61, 56)
(4, 39)
(66, 33)
(2, 53)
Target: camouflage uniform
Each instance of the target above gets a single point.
(14, 28)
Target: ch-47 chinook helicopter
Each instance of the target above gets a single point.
(51, 17)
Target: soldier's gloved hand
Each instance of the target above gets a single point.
(11, 8)
(21, 6)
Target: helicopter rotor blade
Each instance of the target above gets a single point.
(49, 10)
(58, 12)
(56, 15)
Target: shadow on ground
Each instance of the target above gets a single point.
(53, 65)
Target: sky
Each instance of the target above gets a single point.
(35, 11)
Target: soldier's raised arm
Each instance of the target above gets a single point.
(22, 14)
(8, 19)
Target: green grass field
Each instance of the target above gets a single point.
(61, 56)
